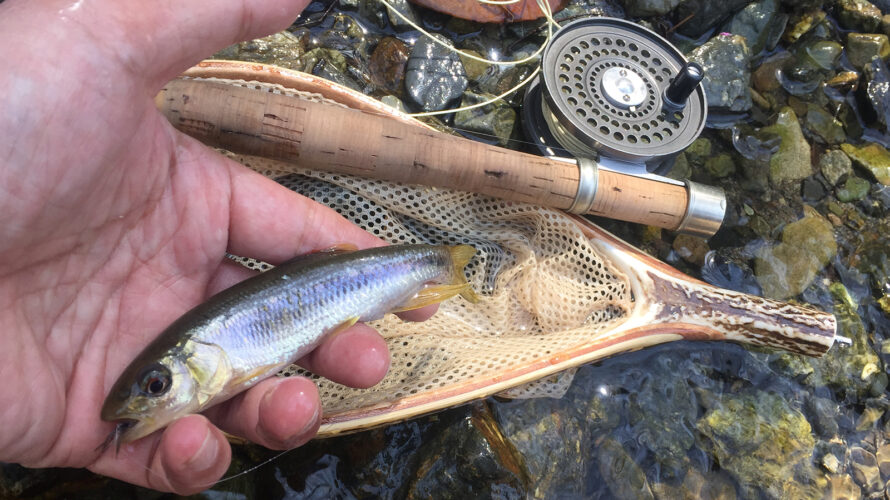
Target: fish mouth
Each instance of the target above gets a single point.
(126, 430)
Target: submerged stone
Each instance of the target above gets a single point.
(865, 469)
(858, 15)
(435, 76)
(824, 125)
(786, 269)
(310, 59)
(720, 166)
(705, 14)
(620, 472)
(758, 438)
(760, 23)
(792, 161)
(872, 157)
(877, 89)
(862, 47)
(725, 59)
(495, 120)
(834, 165)
(480, 461)
(854, 189)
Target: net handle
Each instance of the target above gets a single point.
(315, 135)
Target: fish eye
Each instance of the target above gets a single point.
(155, 380)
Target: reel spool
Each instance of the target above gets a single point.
(617, 96)
(611, 89)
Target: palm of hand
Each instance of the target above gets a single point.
(113, 225)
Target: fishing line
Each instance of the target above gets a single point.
(544, 5)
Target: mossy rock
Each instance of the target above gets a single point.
(786, 269)
(792, 161)
(758, 438)
(872, 157)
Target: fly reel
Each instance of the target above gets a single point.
(616, 93)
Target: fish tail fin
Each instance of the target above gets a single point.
(460, 257)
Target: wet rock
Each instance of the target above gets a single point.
(858, 15)
(862, 47)
(644, 8)
(281, 49)
(435, 76)
(834, 165)
(328, 71)
(811, 65)
(696, 485)
(623, 476)
(698, 152)
(706, 15)
(720, 166)
(831, 463)
(854, 189)
(480, 461)
(883, 458)
(403, 8)
(786, 269)
(849, 371)
(662, 411)
(394, 102)
(723, 272)
(802, 24)
(864, 467)
(474, 68)
(812, 190)
(387, 65)
(842, 488)
(870, 416)
(764, 78)
(761, 23)
(873, 259)
(759, 439)
(310, 59)
(495, 120)
(550, 440)
(792, 161)
(692, 249)
(876, 108)
(725, 59)
(824, 125)
(872, 157)
(347, 36)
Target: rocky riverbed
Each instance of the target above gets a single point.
(799, 103)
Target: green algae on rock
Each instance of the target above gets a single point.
(786, 269)
(872, 157)
(792, 161)
(758, 438)
(494, 120)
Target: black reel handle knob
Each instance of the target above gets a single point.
(682, 86)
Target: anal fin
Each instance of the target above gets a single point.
(433, 295)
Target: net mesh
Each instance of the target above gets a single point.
(542, 285)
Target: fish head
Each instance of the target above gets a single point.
(157, 389)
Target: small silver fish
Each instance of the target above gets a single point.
(250, 331)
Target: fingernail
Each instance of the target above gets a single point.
(207, 453)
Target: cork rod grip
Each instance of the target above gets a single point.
(331, 138)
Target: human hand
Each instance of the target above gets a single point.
(112, 224)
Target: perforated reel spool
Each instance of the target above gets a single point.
(601, 93)
(543, 286)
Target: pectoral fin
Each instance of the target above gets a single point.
(344, 325)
